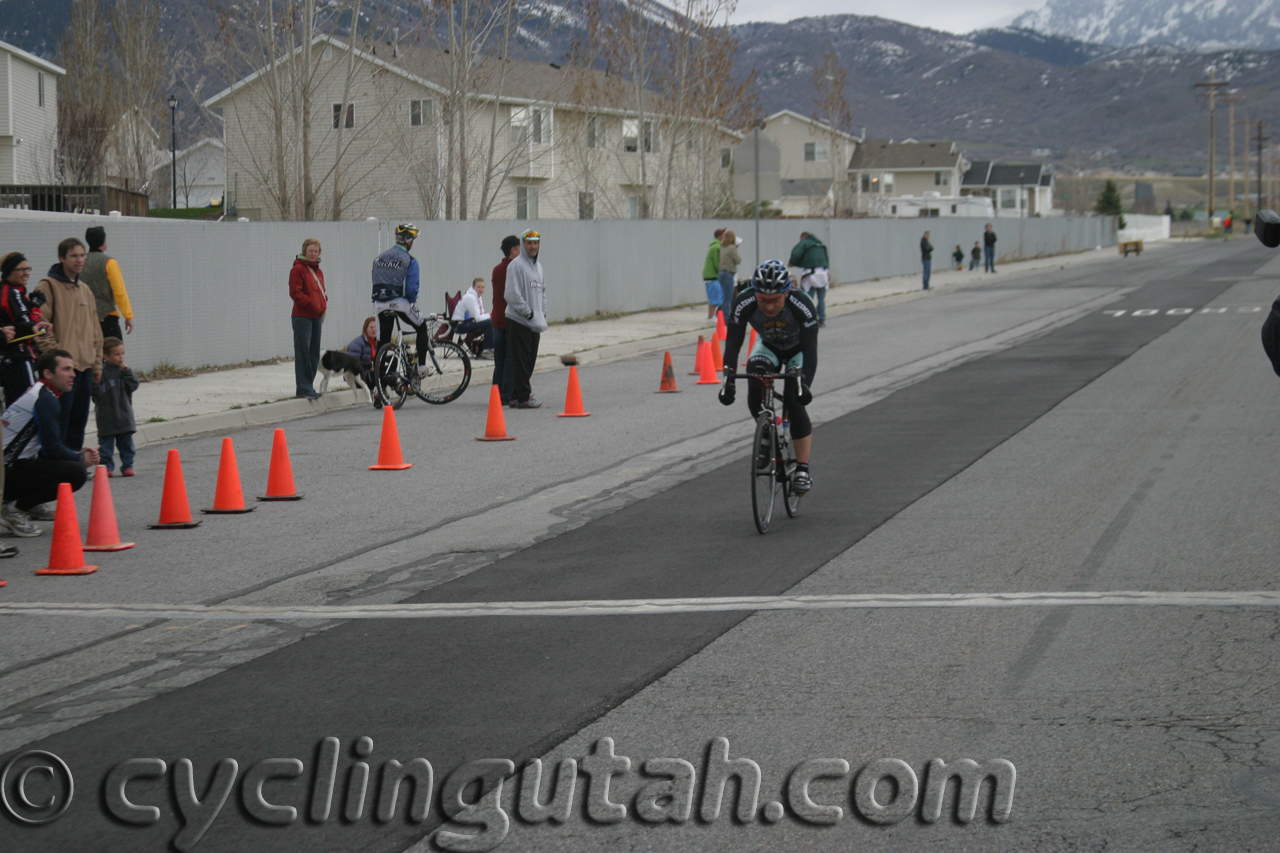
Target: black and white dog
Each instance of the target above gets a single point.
(336, 362)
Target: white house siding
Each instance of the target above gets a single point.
(35, 125)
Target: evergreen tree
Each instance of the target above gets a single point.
(1168, 208)
(1109, 202)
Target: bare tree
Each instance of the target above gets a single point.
(141, 70)
(86, 102)
(832, 109)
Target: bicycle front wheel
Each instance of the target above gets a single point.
(447, 375)
(764, 481)
(790, 500)
(389, 371)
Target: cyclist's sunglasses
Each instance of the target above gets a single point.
(532, 236)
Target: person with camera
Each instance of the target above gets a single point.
(20, 322)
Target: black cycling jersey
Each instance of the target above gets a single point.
(794, 329)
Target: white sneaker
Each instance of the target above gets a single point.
(42, 512)
(18, 522)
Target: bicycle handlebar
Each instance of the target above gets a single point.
(790, 374)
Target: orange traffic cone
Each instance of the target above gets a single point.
(697, 359)
(104, 535)
(668, 385)
(750, 346)
(717, 360)
(66, 557)
(227, 496)
(175, 512)
(573, 397)
(280, 475)
(389, 456)
(495, 429)
(722, 331)
(708, 367)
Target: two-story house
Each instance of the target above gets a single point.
(813, 154)
(28, 117)
(402, 131)
(907, 178)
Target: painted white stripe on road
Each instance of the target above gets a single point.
(645, 606)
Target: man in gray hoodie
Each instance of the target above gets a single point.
(526, 319)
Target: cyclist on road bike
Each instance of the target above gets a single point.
(786, 323)
(395, 289)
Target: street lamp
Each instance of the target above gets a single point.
(173, 145)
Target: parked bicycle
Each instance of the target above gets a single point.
(773, 459)
(395, 368)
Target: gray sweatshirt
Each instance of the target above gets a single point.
(526, 297)
(113, 399)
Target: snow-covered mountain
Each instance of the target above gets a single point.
(1195, 24)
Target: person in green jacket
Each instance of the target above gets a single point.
(810, 255)
(711, 275)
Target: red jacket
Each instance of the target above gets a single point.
(499, 314)
(306, 289)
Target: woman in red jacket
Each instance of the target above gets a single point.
(306, 289)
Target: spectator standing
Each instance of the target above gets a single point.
(102, 274)
(730, 258)
(810, 256)
(310, 302)
(711, 275)
(989, 249)
(17, 314)
(36, 457)
(526, 318)
(926, 257)
(113, 408)
(958, 257)
(510, 250)
(975, 257)
(469, 315)
(71, 309)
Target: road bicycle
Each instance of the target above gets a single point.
(395, 367)
(773, 459)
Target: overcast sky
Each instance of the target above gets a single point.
(946, 15)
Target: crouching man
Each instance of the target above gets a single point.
(36, 457)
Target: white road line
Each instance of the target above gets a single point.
(646, 606)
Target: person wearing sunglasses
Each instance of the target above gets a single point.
(20, 321)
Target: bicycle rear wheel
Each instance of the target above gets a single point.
(448, 373)
(764, 481)
(790, 500)
(389, 371)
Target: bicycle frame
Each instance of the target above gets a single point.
(781, 465)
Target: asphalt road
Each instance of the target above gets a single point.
(1104, 428)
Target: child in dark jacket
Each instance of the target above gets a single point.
(958, 257)
(975, 257)
(113, 408)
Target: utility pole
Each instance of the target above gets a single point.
(1245, 168)
(1231, 99)
(1211, 90)
(1260, 139)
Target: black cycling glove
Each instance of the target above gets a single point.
(728, 391)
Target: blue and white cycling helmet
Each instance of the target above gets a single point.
(771, 277)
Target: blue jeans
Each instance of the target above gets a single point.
(989, 256)
(74, 409)
(306, 353)
(973, 264)
(928, 265)
(727, 283)
(108, 443)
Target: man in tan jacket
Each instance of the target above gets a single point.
(69, 305)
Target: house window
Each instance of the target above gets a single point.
(816, 152)
(421, 113)
(632, 139)
(586, 205)
(595, 132)
(530, 123)
(866, 183)
(1009, 199)
(637, 209)
(953, 210)
(887, 183)
(526, 202)
(941, 179)
(337, 115)
(726, 158)
(893, 208)
(40, 87)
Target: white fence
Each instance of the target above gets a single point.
(1139, 226)
(214, 293)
